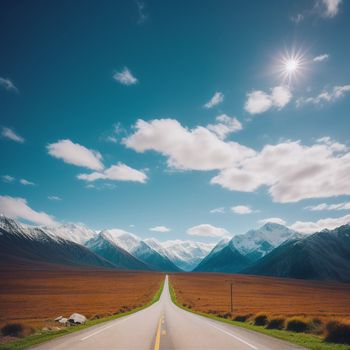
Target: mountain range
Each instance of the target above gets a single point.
(272, 250)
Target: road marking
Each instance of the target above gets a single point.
(157, 342)
(107, 327)
(233, 336)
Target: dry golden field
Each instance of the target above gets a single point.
(252, 294)
(35, 295)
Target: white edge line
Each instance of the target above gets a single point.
(107, 327)
(233, 336)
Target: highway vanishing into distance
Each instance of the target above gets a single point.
(165, 326)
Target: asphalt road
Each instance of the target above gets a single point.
(165, 326)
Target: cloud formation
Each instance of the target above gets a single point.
(292, 171)
(220, 210)
(26, 182)
(18, 208)
(225, 126)
(328, 223)
(8, 178)
(241, 209)
(11, 135)
(125, 77)
(8, 85)
(119, 172)
(161, 229)
(73, 153)
(217, 98)
(54, 198)
(321, 58)
(326, 96)
(272, 220)
(207, 230)
(259, 101)
(325, 206)
(329, 8)
(185, 149)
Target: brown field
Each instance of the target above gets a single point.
(253, 294)
(39, 294)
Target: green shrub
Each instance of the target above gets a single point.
(298, 324)
(338, 332)
(261, 319)
(276, 323)
(241, 318)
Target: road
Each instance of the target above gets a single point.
(165, 326)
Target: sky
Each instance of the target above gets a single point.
(176, 119)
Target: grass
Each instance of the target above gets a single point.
(308, 341)
(49, 335)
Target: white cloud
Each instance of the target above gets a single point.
(54, 198)
(8, 85)
(186, 149)
(259, 101)
(325, 96)
(159, 229)
(328, 223)
(141, 11)
(321, 58)
(73, 153)
(18, 208)
(225, 126)
(241, 209)
(119, 172)
(272, 220)
(206, 230)
(220, 210)
(8, 178)
(329, 8)
(11, 135)
(292, 172)
(325, 206)
(217, 98)
(297, 18)
(26, 182)
(125, 77)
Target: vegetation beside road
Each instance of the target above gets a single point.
(250, 322)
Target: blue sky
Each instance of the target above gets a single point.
(139, 114)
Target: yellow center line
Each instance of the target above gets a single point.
(157, 342)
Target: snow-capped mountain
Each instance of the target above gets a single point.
(77, 233)
(139, 249)
(257, 243)
(323, 255)
(184, 254)
(237, 253)
(105, 247)
(24, 244)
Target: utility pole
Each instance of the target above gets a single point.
(231, 297)
(231, 294)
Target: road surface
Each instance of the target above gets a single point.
(165, 326)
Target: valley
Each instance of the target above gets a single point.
(35, 294)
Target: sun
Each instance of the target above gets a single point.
(290, 66)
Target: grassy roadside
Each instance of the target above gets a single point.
(308, 341)
(45, 336)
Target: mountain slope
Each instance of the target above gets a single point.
(34, 244)
(323, 256)
(225, 258)
(77, 233)
(257, 243)
(139, 249)
(102, 246)
(184, 254)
